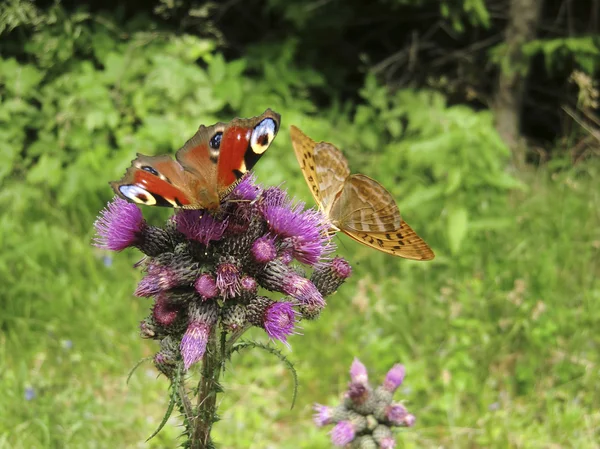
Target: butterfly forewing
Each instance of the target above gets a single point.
(155, 181)
(304, 147)
(332, 172)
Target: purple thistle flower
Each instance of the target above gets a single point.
(119, 225)
(293, 221)
(409, 420)
(322, 415)
(341, 267)
(249, 284)
(279, 320)
(228, 280)
(309, 251)
(264, 250)
(164, 311)
(396, 414)
(358, 372)
(193, 343)
(272, 197)
(394, 378)
(357, 392)
(342, 434)
(159, 278)
(246, 190)
(303, 290)
(286, 256)
(206, 286)
(200, 226)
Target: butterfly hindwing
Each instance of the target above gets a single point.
(403, 242)
(364, 205)
(155, 181)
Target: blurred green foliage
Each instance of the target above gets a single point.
(498, 333)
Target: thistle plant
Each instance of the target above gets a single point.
(208, 274)
(367, 415)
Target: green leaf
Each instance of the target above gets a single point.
(251, 344)
(217, 69)
(457, 225)
(47, 170)
(454, 181)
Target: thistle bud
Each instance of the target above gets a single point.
(233, 317)
(194, 341)
(164, 311)
(328, 277)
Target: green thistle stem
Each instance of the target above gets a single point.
(208, 388)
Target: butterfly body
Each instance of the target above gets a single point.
(206, 168)
(355, 204)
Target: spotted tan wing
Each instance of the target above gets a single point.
(364, 205)
(332, 173)
(356, 204)
(368, 213)
(304, 147)
(403, 242)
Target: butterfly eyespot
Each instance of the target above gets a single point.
(137, 195)
(215, 141)
(262, 135)
(150, 170)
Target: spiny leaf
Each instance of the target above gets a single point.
(137, 365)
(173, 399)
(252, 344)
(165, 418)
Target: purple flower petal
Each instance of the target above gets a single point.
(272, 197)
(396, 413)
(322, 415)
(387, 443)
(341, 267)
(228, 280)
(394, 377)
(358, 372)
(279, 321)
(357, 392)
(249, 284)
(159, 278)
(246, 190)
(206, 286)
(164, 311)
(119, 225)
(342, 434)
(264, 250)
(193, 343)
(200, 226)
(303, 290)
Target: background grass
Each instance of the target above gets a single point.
(499, 334)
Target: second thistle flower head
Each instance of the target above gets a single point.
(206, 269)
(367, 415)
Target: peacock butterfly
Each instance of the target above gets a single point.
(206, 168)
